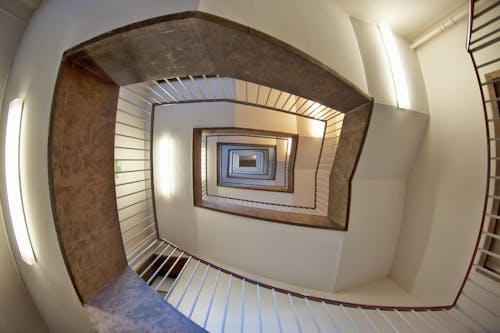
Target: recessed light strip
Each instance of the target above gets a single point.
(13, 181)
(398, 74)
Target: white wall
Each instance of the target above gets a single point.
(379, 184)
(55, 27)
(308, 153)
(61, 24)
(414, 78)
(321, 29)
(296, 255)
(18, 314)
(392, 143)
(374, 223)
(213, 168)
(324, 32)
(446, 187)
(375, 64)
(378, 195)
(12, 28)
(17, 311)
(378, 72)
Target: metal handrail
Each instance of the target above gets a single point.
(356, 315)
(188, 90)
(193, 271)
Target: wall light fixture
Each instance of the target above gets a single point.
(398, 74)
(13, 181)
(166, 166)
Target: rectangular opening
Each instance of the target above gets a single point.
(249, 161)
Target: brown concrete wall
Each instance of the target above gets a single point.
(198, 43)
(83, 119)
(352, 138)
(81, 152)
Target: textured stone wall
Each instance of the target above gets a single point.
(351, 142)
(198, 43)
(83, 118)
(81, 165)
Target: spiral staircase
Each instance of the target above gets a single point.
(162, 286)
(219, 300)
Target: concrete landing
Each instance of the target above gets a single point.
(128, 305)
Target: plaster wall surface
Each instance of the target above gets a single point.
(308, 153)
(364, 254)
(12, 29)
(58, 25)
(380, 291)
(370, 244)
(268, 249)
(380, 181)
(446, 186)
(55, 27)
(378, 195)
(321, 29)
(378, 73)
(308, 150)
(17, 311)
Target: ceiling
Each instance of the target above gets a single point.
(408, 18)
(22, 9)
